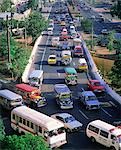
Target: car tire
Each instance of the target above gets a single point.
(93, 140)
(112, 148)
(68, 130)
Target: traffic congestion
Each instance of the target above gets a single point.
(68, 107)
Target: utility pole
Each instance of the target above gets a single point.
(8, 40)
(92, 37)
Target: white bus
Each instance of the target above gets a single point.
(9, 99)
(105, 134)
(24, 119)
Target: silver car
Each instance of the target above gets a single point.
(70, 123)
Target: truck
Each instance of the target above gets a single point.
(66, 57)
(63, 96)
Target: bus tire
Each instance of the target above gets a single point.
(112, 148)
(93, 139)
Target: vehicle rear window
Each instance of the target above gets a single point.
(94, 129)
(104, 133)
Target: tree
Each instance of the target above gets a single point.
(115, 74)
(35, 24)
(2, 131)
(6, 5)
(32, 4)
(116, 9)
(111, 39)
(24, 142)
(86, 25)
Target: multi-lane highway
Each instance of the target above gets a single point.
(55, 74)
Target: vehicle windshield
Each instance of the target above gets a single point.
(119, 139)
(69, 119)
(89, 98)
(65, 96)
(56, 132)
(83, 64)
(97, 84)
(52, 58)
(17, 100)
(34, 79)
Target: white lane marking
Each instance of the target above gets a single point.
(112, 104)
(74, 63)
(106, 112)
(44, 54)
(83, 114)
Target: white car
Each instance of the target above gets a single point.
(70, 123)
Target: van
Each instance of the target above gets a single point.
(9, 99)
(105, 134)
(36, 78)
(82, 65)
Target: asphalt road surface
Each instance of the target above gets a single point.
(55, 74)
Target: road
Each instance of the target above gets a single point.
(55, 74)
(97, 22)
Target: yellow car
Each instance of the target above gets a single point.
(52, 60)
(63, 23)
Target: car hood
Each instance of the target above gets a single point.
(75, 124)
(92, 102)
(98, 87)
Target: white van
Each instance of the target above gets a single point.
(105, 134)
(26, 120)
(9, 99)
(36, 78)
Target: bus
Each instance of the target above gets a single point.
(27, 120)
(9, 99)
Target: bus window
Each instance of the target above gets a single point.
(40, 129)
(13, 116)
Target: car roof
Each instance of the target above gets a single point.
(82, 60)
(52, 55)
(64, 115)
(88, 93)
(70, 70)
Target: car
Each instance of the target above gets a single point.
(63, 23)
(64, 31)
(52, 59)
(96, 86)
(89, 100)
(104, 31)
(70, 123)
(117, 122)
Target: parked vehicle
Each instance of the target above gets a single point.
(64, 34)
(36, 78)
(55, 41)
(70, 76)
(73, 34)
(26, 120)
(66, 57)
(63, 96)
(89, 100)
(117, 122)
(78, 51)
(31, 95)
(82, 65)
(96, 86)
(9, 99)
(52, 59)
(105, 134)
(72, 29)
(70, 123)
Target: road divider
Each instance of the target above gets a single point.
(83, 114)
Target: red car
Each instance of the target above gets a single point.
(96, 86)
(78, 51)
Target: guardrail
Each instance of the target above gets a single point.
(96, 75)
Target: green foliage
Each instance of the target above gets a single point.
(111, 39)
(116, 9)
(2, 132)
(6, 5)
(32, 4)
(115, 74)
(24, 142)
(35, 24)
(86, 25)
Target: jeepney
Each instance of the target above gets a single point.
(66, 57)
(70, 76)
(63, 96)
(77, 41)
(36, 78)
(82, 65)
(31, 95)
